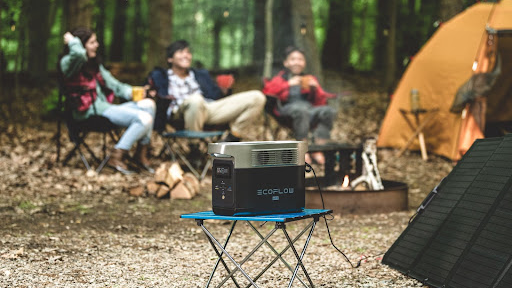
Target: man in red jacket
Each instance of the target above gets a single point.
(304, 100)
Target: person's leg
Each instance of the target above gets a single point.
(301, 118)
(322, 117)
(194, 112)
(142, 151)
(239, 110)
(130, 115)
(148, 106)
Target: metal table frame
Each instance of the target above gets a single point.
(280, 223)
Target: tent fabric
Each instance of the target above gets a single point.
(437, 71)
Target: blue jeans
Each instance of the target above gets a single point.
(138, 117)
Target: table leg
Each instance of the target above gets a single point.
(299, 258)
(421, 139)
(247, 258)
(416, 133)
(238, 265)
(279, 255)
(220, 257)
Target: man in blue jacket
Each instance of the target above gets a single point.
(190, 94)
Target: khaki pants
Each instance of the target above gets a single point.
(238, 110)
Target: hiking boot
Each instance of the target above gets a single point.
(116, 161)
(141, 157)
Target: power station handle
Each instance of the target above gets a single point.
(218, 155)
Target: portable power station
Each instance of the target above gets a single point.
(250, 178)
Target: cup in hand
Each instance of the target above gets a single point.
(304, 83)
(138, 93)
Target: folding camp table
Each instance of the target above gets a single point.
(203, 136)
(280, 223)
(418, 128)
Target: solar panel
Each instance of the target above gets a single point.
(462, 235)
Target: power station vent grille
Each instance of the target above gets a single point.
(275, 157)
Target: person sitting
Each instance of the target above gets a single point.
(93, 88)
(186, 93)
(303, 100)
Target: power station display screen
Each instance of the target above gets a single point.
(223, 171)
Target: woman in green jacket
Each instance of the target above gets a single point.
(92, 89)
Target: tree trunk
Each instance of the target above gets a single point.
(246, 48)
(304, 33)
(390, 68)
(382, 34)
(258, 52)
(100, 28)
(39, 31)
(336, 50)
(160, 26)
(269, 43)
(283, 31)
(138, 27)
(78, 13)
(450, 8)
(116, 47)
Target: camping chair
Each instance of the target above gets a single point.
(271, 110)
(210, 134)
(79, 130)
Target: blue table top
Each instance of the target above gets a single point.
(192, 134)
(283, 217)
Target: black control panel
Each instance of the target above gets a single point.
(223, 183)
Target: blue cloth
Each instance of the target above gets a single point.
(284, 217)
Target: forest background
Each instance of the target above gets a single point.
(366, 37)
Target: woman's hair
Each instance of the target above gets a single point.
(83, 34)
(92, 65)
(290, 49)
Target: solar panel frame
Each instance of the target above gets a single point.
(459, 236)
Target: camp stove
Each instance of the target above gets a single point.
(258, 177)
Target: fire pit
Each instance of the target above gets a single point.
(347, 201)
(344, 164)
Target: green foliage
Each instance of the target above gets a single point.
(363, 35)
(50, 103)
(26, 205)
(195, 21)
(10, 14)
(196, 24)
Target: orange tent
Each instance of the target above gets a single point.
(464, 45)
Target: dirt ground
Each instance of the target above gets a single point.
(62, 228)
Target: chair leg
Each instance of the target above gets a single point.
(69, 155)
(84, 160)
(102, 164)
(91, 152)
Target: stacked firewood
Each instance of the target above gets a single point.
(170, 181)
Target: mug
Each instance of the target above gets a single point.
(138, 93)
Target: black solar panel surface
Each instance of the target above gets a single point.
(463, 238)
